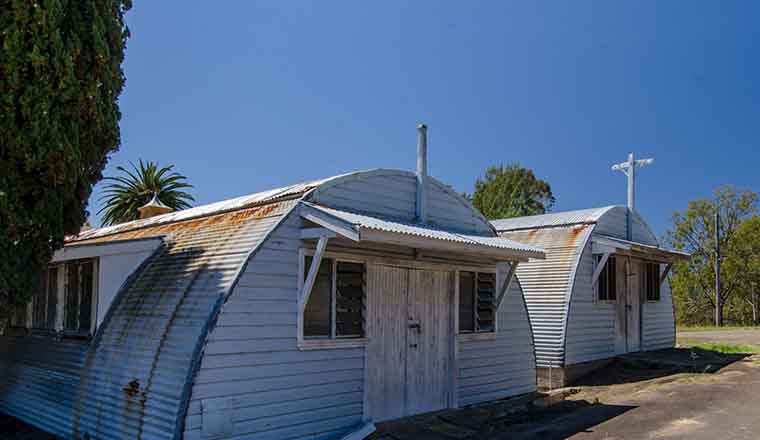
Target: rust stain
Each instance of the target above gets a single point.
(232, 218)
(132, 389)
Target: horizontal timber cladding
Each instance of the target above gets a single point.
(658, 321)
(590, 333)
(503, 366)
(546, 285)
(253, 367)
(133, 383)
(38, 379)
(392, 194)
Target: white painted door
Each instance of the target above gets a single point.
(621, 319)
(429, 349)
(634, 307)
(409, 355)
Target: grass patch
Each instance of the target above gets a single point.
(726, 348)
(712, 328)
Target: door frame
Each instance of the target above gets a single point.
(451, 381)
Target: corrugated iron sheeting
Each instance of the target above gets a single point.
(131, 380)
(134, 377)
(546, 285)
(38, 378)
(424, 231)
(580, 216)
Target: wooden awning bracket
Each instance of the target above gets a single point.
(507, 282)
(316, 261)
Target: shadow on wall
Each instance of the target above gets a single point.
(638, 367)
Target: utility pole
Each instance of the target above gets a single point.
(718, 299)
(629, 169)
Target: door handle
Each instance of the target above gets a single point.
(417, 326)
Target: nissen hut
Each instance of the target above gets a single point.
(602, 290)
(310, 311)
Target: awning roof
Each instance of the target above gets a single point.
(635, 249)
(358, 227)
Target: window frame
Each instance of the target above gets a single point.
(651, 268)
(612, 260)
(476, 334)
(59, 329)
(333, 340)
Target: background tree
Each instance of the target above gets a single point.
(745, 264)
(60, 79)
(693, 281)
(133, 189)
(511, 191)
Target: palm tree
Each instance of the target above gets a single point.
(126, 193)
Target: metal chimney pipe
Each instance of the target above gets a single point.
(421, 207)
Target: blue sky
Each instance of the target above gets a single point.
(244, 96)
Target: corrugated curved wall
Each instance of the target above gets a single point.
(134, 379)
(546, 285)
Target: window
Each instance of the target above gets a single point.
(336, 304)
(651, 282)
(477, 296)
(77, 313)
(607, 282)
(45, 301)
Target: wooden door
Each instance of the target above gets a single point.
(386, 351)
(621, 302)
(430, 336)
(634, 306)
(410, 351)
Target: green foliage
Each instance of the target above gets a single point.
(60, 79)
(693, 281)
(126, 193)
(511, 191)
(726, 348)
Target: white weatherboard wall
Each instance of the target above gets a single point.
(253, 368)
(482, 363)
(590, 333)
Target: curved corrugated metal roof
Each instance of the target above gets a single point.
(547, 284)
(566, 218)
(135, 376)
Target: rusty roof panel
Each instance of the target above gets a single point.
(587, 216)
(547, 283)
(134, 378)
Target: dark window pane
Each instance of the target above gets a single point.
(39, 303)
(602, 281)
(466, 301)
(72, 297)
(349, 299)
(486, 315)
(612, 278)
(316, 317)
(52, 296)
(85, 295)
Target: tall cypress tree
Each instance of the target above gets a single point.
(60, 80)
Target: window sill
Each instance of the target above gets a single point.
(485, 336)
(332, 344)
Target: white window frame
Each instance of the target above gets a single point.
(643, 281)
(595, 287)
(62, 281)
(464, 336)
(333, 341)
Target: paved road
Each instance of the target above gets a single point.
(738, 337)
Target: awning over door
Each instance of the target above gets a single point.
(603, 244)
(364, 228)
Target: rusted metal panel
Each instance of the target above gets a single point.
(134, 380)
(547, 285)
(567, 218)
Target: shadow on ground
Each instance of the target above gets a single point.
(511, 419)
(12, 428)
(638, 367)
